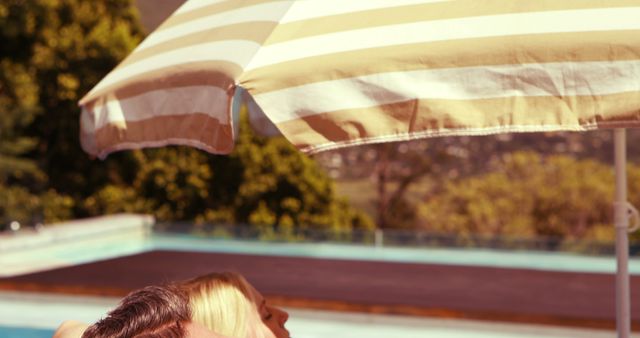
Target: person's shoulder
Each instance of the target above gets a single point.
(70, 329)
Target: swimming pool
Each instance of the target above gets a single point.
(20, 332)
(30, 315)
(37, 315)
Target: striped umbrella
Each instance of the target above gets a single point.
(330, 74)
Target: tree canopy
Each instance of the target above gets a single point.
(265, 182)
(530, 195)
(51, 52)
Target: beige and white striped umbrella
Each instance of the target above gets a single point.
(331, 73)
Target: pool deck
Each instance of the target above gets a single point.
(507, 294)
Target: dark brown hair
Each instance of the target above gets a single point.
(151, 312)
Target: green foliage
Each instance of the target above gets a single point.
(174, 181)
(52, 52)
(18, 104)
(556, 197)
(112, 199)
(18, 204)
(633, 180)
(291, 186)
(265, 182)
(280, 186)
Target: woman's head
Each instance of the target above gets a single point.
(228, 304)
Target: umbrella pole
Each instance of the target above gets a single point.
(622, 237)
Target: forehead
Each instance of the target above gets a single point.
(257, 296)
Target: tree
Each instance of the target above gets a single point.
(39, 83)
(57, 51)
(555, 197)
(265, 182)
(398, 167)
(18, 96)
(278, 185)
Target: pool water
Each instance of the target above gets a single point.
(20, 332)
(27, 315)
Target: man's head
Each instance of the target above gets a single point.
(154, 311)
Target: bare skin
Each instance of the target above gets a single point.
(273, 318)
(70, 329)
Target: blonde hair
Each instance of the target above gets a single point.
(224, 303)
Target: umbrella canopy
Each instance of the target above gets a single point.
(330, 74)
